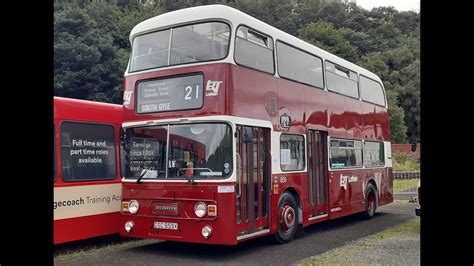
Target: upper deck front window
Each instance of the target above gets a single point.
(189, 44)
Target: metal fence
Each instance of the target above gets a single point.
(405, 185)
(406, 175)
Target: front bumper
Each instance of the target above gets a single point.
(188, 230)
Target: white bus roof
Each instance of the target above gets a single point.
(235, 18)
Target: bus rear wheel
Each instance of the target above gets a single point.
(287, 218)
(371, 201)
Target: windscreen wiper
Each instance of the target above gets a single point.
(141, 176)
(146, 170)
(182, 166)
(190, 180)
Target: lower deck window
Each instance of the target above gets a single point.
(345, 153)
(373, 154)
(292, 155)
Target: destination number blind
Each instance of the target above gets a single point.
(171, 94)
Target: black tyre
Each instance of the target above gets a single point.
(371, 201)
(287, 216)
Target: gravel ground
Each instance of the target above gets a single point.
(397, 250)
(318, 239)
(399, 245)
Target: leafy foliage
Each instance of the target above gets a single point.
(405, 162)
(91, 45)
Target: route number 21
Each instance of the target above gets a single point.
(188, 90)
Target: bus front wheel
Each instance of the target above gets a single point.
(287, 218)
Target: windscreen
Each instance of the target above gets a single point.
(189, 44)
(201, 151)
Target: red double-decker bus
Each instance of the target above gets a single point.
(291, 135)
(87, 182)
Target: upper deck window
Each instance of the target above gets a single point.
(341, 80)
(189, 44)
(299, 66)
(371, 91)
(254, 50)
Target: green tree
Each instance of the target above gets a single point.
(362, 41)
(406, 22)
(375, 62)
(91, 48)
(411, 42)
(399, 58)
(385, 35)
(333, 13)
(326, 37)
(278, 13)
(410, 99)
(398, 129)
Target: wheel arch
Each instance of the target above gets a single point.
(372, 181)
(297, 197)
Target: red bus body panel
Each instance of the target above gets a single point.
(250, 94)
(82, 227)
(67, 230)
(186, 195)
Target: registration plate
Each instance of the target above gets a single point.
(168, 226)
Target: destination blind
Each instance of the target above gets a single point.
(170, 94)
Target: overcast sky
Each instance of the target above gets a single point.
(400, 5)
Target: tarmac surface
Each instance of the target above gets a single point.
(317, 239)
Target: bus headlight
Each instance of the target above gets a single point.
(128, 226)
(133, 206)
(200, 209)
(206, 231)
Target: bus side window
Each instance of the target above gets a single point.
(254, 50)
(88, 151)
(292, 152)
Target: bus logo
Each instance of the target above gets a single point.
(212, 88)
(165, 208)
(285, 121)
(127, 97)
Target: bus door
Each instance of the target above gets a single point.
(253, 182)
(317, 173)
